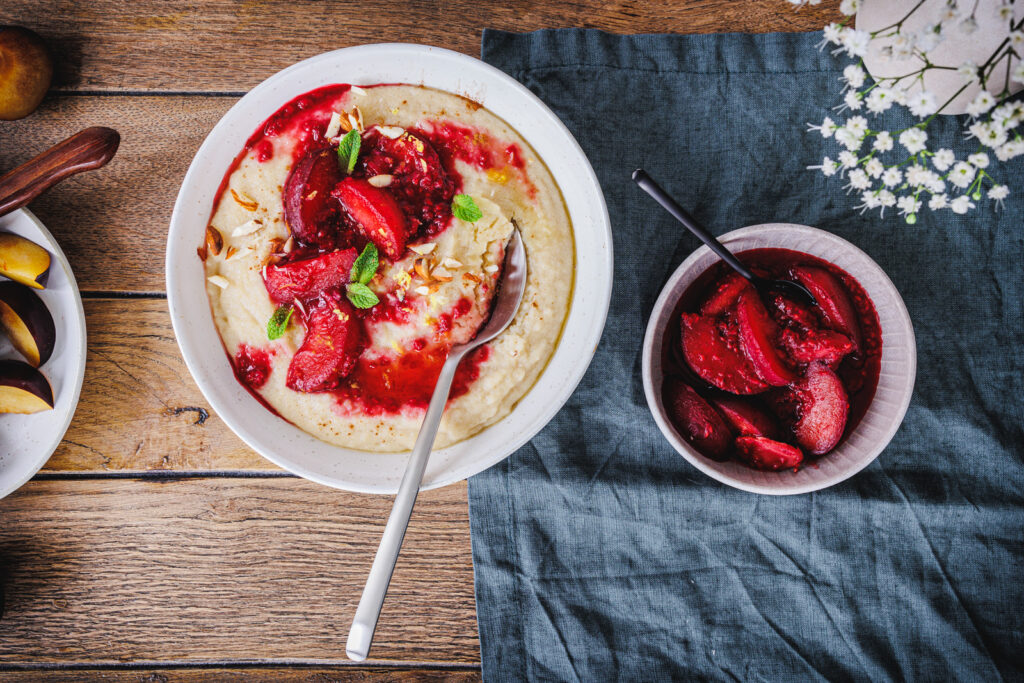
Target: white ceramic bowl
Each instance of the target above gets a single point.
(28, 441)
(285, 444)
(895, 381)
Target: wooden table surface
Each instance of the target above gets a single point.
(155, 545)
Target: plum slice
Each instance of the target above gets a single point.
(767, 454)
(24, 261)
(820, 406)
(833, 300)
(331, 348)
(811, 345)
(746, 418)
(712, 350)
(726, 294)
(697, 420)
(309, 209)
(23, 389)
(790, 313)
(27, 322)
(757, 335)
(306, 278)
(375, 213)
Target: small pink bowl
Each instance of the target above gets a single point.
(895, 381)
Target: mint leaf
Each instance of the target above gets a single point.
(465, 209)
(361, 296)
(365, 267)
(348, 150)
(278, 322)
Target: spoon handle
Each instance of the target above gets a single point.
(365, 622)
(83, 151)
(647, 184)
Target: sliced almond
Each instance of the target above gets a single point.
(229, 253)
(423, 249)
(276, 244)
(298, 305)
(289, 244)
(449, 262)
(422, 290)
(441, 274)
(333, 126)
(433, 288)
(491, 269)
(356, 90)
(345, 124)
(247, 228)
(214, 240)
(355, 117)
(421, 268)
(246, 203)
(219, 280)
(382, 180)
(470, 277)
(391, 132)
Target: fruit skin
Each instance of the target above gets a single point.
(746, 418)
(23, 389)
(712, 350)
(697, 420)
(331, 348)
(307, 278)
(309, 209)
(23, 260)
(767, 454)
(833, 301)
(26, 70)
(726, 294)
(375, 213)
(27, 322)
(757, 334)
(821, 407)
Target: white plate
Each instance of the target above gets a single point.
(895, 381)
(286, 445)
(27, 441)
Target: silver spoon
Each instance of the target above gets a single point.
(762, 285)
(506, 303)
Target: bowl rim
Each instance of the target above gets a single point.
(592, 327)
(666, 300)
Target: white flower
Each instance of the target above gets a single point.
(874, 167)
(1006, 11)
(903, 46)
(979, 160)
(849, 7)
(892, 177)
(848, 139)
(908, 204)
(998, 193)
(883, 141)
(1011, 149)
(855, 42)
(962, 174)
(1017, 75)
(981, 104)
(857, 124)
(847, 159)
(918, 175)
(852, 100)
(827, 127)
(1017, 39)
(949, 12)
(968, 70)
(854, 76)
(858, 179)
(832, 35)
(969, 25)
(929, 37)
(828, 167)
(989, 133)
(886, 198)
(938, 201)
(936, 184)
(943, 159)
(879, 100)
(922, 104)
(913, 139)
(961, 204)
(869, 200)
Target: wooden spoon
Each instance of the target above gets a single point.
(84, 151)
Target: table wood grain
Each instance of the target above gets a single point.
(154, 545)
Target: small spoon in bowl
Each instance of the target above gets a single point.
(503, 310)
(763, 286)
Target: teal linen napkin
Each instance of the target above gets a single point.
(600, 554)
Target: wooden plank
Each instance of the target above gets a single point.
(264, 570)
(313, 674)
(228, 45)
(140, 409)
(112, 223)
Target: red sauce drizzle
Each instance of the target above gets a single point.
(252, 366)
(478, 149)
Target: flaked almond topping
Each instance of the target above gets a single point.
(422, 290)
(276, 244)
(219, 280)
(423, 249)
(449, 262)
(356, 90)
(469, 277)
(245, 202)
(391, 132)
(441, 273)
(344, 124)
(229, 253)
(382, 180)
(214, 240)
(421, 268)
(289, 244)
(433, 288)
(491, 269)
(263, 271)
(201, 252)
(333, 126)
(247, 228)
(355, 117)
(298, 305)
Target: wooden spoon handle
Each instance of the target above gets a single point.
(83, 151)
